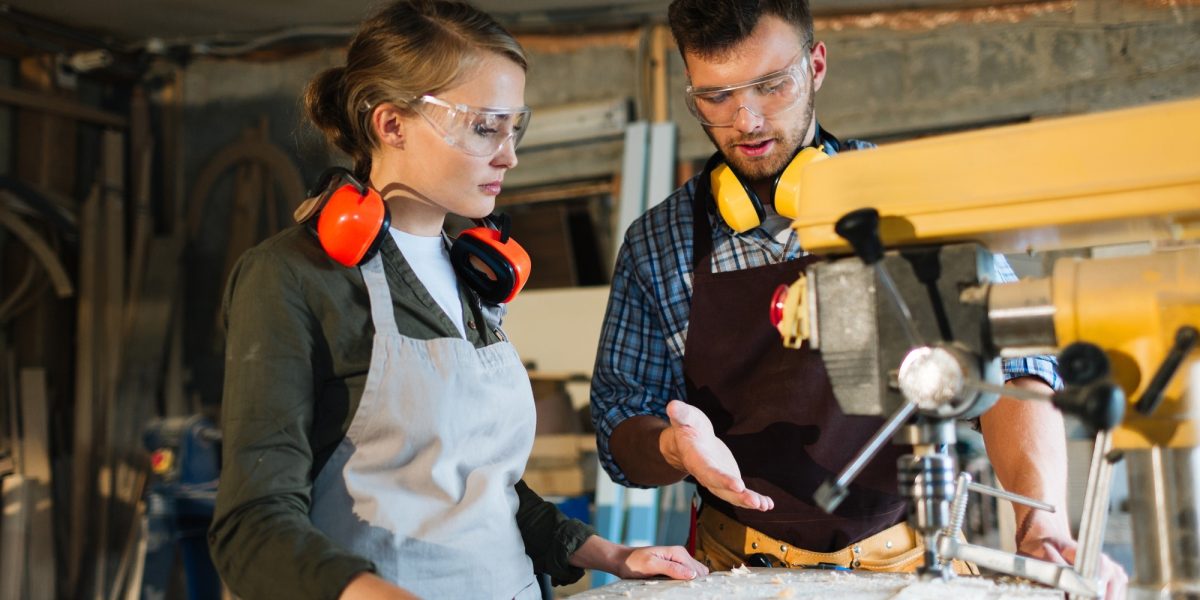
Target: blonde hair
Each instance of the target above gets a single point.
(409, 48)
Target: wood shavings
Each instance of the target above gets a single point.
(745, 583)
(740, 571)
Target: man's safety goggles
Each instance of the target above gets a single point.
(766, 96)
(477, 131)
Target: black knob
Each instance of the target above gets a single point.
(861, 229)
(1082, 363)
(1099, 406)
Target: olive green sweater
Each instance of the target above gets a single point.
(296, 360)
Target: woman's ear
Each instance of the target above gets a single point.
(387, 121)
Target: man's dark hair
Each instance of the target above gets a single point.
(711, 27)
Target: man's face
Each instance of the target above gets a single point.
(757, 145)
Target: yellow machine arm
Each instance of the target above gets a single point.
(1106, 178)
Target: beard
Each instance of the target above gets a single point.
(788, 143)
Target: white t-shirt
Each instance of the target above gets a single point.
(430, 260)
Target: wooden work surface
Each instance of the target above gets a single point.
(744, 584)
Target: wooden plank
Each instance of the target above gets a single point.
(13, 534)
(112, 308)
(36, 428)
(86, 392)
(55, 105)
(142, 152)
(659, 51)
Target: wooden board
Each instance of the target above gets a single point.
(743, 583)
(36, 449)
(87, 383)
(13, 533)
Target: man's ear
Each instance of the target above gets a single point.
(387, 122)
(817, 57)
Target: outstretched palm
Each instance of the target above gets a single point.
(704, 456)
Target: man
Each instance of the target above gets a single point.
(691, 379)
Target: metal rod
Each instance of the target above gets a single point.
(1011, 497)
(1008, 390)
(830, 493)
(958, 511)
(1062, 577)
(906, 318)
(1095, 506)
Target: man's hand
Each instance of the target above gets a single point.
(1048, 542)
(689, 445)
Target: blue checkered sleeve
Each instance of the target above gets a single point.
(639, 362)
(1044, 367)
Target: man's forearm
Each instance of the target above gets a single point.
(636, 448)
(1026, 442)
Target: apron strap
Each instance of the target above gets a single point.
(382, 313)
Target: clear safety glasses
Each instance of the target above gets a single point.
(477, 131)
(766, 96)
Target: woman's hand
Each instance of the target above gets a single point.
(637, 563)
(669, 561)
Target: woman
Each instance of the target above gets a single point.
(376, 422)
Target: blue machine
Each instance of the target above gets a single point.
(185, 462)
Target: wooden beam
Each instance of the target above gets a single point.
(87, 394)
(46, 103)
(35, 423)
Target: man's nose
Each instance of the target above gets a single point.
(746, 120)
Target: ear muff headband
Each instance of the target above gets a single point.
(737, 203)
(352, 222)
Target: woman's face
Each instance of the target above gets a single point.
(442, 178)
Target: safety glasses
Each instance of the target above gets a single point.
(477, 131)
(766, 96)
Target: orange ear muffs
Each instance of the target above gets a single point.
(490, 261)
(352, 218)
(737, 203)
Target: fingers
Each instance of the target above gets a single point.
(1114, 576)
(747, 499)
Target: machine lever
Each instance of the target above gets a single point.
(861, 229)
(987, 490)
(1010, 391)
(1062, 577)
(831, 493)
(1100, 406)
(1185, 339)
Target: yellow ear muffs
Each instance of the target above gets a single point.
(736, 202)
(787, 186)
(740, 207)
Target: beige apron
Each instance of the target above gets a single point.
(422, 484)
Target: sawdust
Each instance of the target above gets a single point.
(745, 583)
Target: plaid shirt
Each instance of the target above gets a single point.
(639, 363)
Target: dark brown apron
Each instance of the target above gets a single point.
(774, 407)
